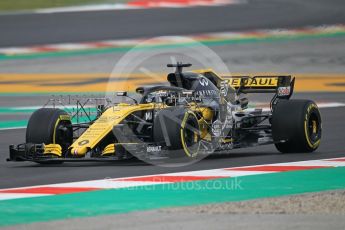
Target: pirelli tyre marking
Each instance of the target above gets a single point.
(62, 117)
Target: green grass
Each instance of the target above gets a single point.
(17, 5)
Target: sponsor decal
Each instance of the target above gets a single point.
(284, 91)
(203, 82)
(83, 142)
(162, 94)
(229, 118)
(217, 128)
(151, 149)
(106, 119)
(210, 92)
(224, 88)
(226, 146)
(254, 82)
(148, 116)
(228, 122)
(65, 117)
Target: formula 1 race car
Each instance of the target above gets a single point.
(196, 114)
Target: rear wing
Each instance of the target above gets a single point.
(281, 85)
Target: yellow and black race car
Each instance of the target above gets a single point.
(196, 114)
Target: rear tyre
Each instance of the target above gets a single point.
(296, 126)
(50, 126)
(178, 129)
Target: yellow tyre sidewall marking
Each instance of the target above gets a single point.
(61, 118)
(306, 132)
(183, 124)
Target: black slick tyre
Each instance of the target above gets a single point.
(178, 129)
(50, 126)
(296, 126)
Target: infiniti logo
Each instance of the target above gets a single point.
(203, 81)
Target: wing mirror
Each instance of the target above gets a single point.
(125, 94)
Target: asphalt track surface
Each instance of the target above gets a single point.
(40, 29)
(27, 174)
(30, 29)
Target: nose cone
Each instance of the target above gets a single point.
(79, 151)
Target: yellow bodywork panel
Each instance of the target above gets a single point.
(103, 125)
(109, 150)
(202, 71)
(53, 149)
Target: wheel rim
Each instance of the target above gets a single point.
(64, 135)
(314, 128)
(190, 136)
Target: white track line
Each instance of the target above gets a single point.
(127, 182)
(129, 6)
(103, 7)
(60, 47)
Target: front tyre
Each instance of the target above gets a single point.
(178, 129)
(296, 126)
(50, 126)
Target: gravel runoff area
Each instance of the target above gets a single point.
(331, 202)
(317, 211)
